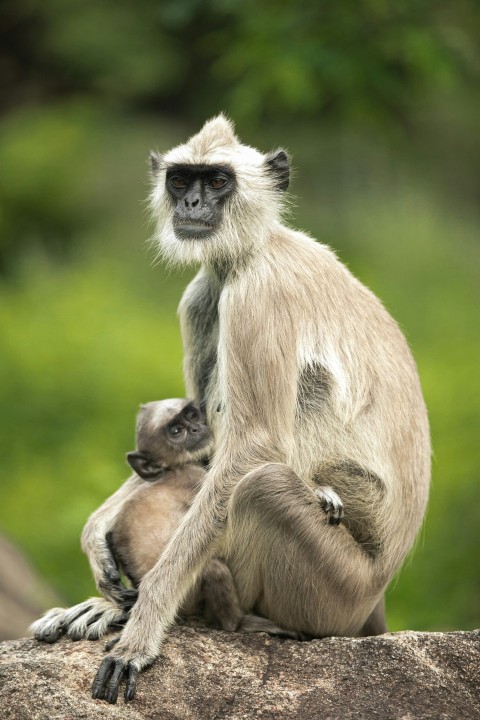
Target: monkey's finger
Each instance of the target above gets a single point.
(114, 682)
(115, 618)
(78, 611)
(111, 643)
(127, 599)
(102, 677)
(112, 575)
(131, 686)
(335, 514)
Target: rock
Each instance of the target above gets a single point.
(208, 675)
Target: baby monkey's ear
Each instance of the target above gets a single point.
(143, 465)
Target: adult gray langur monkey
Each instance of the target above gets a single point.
(130, 530)
(308, 381)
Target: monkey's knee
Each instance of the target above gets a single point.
(274, 492)
(271, 483)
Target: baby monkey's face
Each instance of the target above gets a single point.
(169, 433)
(188, 430)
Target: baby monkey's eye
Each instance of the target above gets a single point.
(175, 430)
(178, 182)
(217, 182)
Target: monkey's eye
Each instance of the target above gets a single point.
(175, 430)
(217, 182)
(178, 182)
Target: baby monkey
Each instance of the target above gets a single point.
(172, 437)
(130, 530)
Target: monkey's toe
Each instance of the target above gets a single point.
(50, 627)
(331, 504)
(51, 636)
(109, 678)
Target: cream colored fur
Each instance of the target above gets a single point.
(287, 310)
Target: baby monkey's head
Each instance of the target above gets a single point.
(169, 433)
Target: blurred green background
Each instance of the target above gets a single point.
(379, 103)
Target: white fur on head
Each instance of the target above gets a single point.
(159, 412)
(249, 214)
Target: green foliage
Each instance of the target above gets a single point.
(64, 168)
(46, 179)
(368, 59)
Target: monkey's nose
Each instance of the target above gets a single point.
(189, 203)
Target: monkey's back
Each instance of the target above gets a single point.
(358, 399)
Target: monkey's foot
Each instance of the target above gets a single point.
(109, 677)
(93, 618)
(124, 662)
(331, 504)
(89, 620)
(251, 623)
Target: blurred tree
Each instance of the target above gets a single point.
(361, 62)
(366, 59)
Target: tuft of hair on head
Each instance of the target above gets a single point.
(251, 212)
(218, 132)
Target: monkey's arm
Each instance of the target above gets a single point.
(95, 543)
(260, 401)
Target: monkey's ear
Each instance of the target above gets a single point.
(155, 159)
(278, 165)
(143, 465)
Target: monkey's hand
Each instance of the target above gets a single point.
(134, 649)
(106, 569)
(331, 504)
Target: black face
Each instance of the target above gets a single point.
(199, 193)
(188, 430)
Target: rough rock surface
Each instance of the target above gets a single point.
(208, 675)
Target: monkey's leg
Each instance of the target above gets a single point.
(163, 590)
(292, 565)
(222, 609)
(220, 595)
